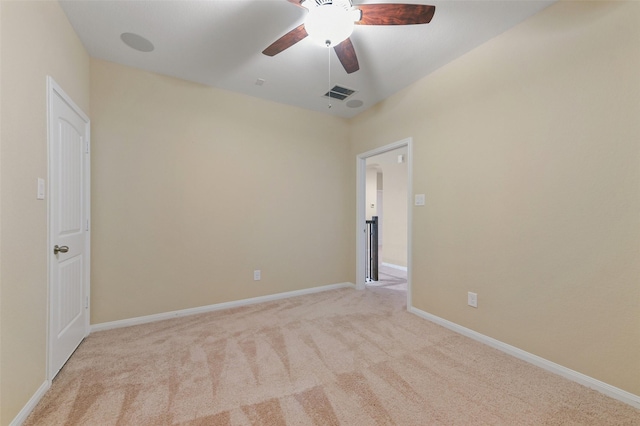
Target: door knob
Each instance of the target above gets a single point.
(62, 249)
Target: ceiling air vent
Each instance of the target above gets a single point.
(339, 92)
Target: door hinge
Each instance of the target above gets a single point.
(86, 302)
(86, 146)
(87, 228)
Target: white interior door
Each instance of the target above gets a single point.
(68, 227)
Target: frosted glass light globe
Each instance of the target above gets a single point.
(329, 25)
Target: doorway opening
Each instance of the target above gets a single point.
(383, 196)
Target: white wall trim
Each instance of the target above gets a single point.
(361, 165)
(31, 404)
(590, 382)
(391, 265)
(216, 307)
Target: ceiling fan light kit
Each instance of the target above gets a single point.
(330, 23)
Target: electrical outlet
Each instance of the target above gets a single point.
(256, 275)
(472, 299)
(40, 194)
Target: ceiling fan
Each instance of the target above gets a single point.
(330, 23)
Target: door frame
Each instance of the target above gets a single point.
(53, 89)
(361, 228)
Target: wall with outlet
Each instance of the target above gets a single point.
(207, 186)
(527, 151)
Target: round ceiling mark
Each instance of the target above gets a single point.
(354, 103)
(137, 42)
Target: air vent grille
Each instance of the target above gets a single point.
(339, 92)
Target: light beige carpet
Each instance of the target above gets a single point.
(342, 357)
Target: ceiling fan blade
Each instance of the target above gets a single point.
(395, 14)
(286, 41)
(347, 55)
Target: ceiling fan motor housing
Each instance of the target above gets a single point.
(345, 4)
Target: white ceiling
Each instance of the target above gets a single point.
(219, 43)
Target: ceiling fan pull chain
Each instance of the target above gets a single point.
(329, 50)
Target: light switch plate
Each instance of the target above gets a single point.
(419, 200)
(40, 194)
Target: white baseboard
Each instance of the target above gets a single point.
(31, 404)
(218, 306)
(391, 265)
(590, 382)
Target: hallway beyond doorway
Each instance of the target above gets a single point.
(390, 278)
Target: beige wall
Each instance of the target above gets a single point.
(37, 40)
(394, 225)
(195, 187)
(527, 150)
(394, 206)
(371, 191)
